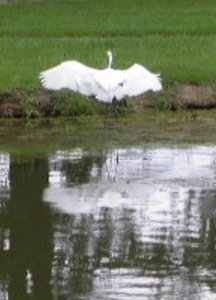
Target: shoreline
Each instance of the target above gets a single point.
(20, 102)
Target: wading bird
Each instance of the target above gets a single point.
(106, 85)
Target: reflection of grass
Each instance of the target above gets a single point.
(147, 128)
(176, 38)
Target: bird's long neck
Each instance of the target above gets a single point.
(110, 59)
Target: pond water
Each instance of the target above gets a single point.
(133, 223)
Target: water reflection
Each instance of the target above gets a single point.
(110, 224)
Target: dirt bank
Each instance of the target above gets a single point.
(179, 96)
(40, 102)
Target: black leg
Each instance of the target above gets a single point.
(105, 114)
(115, 108)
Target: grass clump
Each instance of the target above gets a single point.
(66, 103)
(163, 103)
(28, 108)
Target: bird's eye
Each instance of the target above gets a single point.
(121, 83)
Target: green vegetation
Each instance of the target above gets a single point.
(176, 38)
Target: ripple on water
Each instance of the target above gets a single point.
(126, 223)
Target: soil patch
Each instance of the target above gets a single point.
(179, 96)
(196, 96)
(2, 2)
(21, 102)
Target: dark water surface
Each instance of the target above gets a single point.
(117, 224)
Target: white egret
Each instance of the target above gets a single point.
(106, 85)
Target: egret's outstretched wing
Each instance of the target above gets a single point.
(137, 80)
(105, 84)
(71, 75)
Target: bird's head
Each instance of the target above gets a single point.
(110, 58)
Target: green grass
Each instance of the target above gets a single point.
(174, 37)
(108, 18)
(68, 104)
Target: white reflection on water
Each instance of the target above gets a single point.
(165, 198)
(133, 178)
(4, 175)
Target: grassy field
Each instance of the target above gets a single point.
(174, 37)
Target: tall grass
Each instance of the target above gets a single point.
(176, 38)
(108, 18)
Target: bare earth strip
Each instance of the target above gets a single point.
(2, 2)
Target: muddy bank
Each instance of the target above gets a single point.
(21, 102)
(184, 96)
(40, 102)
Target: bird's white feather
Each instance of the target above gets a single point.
(70, 75)
(105, 84)
(137, 80)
